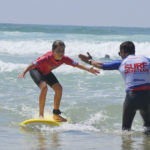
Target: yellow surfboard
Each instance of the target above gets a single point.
(48, 119)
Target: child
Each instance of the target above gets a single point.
(41, 73)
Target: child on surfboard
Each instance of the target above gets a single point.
(41, 73)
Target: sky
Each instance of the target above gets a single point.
(123, 13)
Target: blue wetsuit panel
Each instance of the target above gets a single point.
(114, 65)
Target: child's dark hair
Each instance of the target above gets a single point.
(128, 47)
(58, 43)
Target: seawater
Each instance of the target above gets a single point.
(92, 103)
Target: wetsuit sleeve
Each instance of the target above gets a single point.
(69, 61)
(114, 65)
(148, 59)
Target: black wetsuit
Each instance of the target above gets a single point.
(136, 100)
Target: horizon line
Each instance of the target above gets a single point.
(74, 25)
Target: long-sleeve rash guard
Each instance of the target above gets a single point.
(135, 71)
(47, 63)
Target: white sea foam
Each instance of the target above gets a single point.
(73, 48)
(86, 126)
(69, 127)
(24, 47)
(99, 50)
(8, 67)
(100, 116)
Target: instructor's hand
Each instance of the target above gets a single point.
(85, 58)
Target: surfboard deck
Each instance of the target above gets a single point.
(48, 119)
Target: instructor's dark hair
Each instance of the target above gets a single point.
(58, 43)
(128, 47)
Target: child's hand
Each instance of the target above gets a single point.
(94, 71)
(22, 75)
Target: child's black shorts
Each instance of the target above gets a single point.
(37, 77)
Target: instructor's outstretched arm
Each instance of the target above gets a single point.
(88, 59)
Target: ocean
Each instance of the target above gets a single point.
(92, 103)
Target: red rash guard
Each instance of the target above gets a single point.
(46, 63)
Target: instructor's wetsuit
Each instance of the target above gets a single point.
(136, 73)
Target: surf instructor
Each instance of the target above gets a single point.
(136, 73)
(41, 73)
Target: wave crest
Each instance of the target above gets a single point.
(73, 48)
(8, 67)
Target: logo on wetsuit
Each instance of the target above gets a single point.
(137, 67)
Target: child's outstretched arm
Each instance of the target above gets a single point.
(91, 69)
(22, 75)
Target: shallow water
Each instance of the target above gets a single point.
(92, 103)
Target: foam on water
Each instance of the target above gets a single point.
(70, 127)
(73, 48)
(24, 47)
(89, 126)
(100, 116)
(99, 49)
(8, 67)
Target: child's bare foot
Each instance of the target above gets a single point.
(59, 118)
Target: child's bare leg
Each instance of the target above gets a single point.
(57, 98)
(58, 94)
(42, 98)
